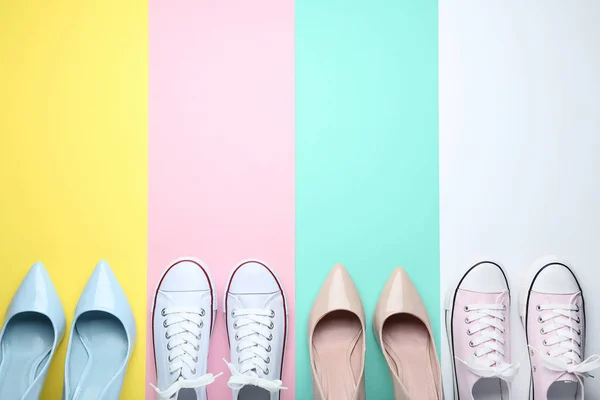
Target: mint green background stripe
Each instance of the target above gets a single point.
(366, 157)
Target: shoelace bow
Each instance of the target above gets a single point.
(253, 334)
(487, 329)
(565, 353)
(184, 327)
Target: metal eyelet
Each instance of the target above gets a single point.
(272, 325)
(233, 313)
(269, 349)
(466, 308)
(202, 312)
(538, 307)
(272, 313)
(542, 331)
(471, 344)
(167, 336)
(266, 371)
(545, 343)
(201, 324)
(268, 360)
(163, 312)
(270, 337)
(235, 325)
(469, 332)
(169, 348)
(194, 371)
(165, 324)
(540, 320)
(547, 353)
(237, 337)
(467, 320)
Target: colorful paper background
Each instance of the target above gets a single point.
(301, 134)
(222, 149)
(73, 154)
(366, 158)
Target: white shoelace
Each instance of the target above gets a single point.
(253, 335)
(486, 326)
(565, 340)
(184, 327)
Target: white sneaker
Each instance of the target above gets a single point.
(183, 317)
(256, 320)
(553, 314)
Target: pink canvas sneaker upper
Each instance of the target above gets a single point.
(480, 333)
(554, 319)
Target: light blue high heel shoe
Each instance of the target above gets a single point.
(102, 339)
(33, 328)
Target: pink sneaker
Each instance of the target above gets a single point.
(553, 314)
(477, 325)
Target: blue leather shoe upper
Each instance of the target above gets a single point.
(102, 339)
(34, 327)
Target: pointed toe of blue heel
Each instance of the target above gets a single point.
(102, 339)
(33, 328)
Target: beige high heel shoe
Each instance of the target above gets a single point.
(336, 334)
(402, 327)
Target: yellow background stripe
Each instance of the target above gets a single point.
(73, 153)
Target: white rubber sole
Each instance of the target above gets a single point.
(448, 306)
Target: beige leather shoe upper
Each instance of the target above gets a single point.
(336, 332)
(402, 328)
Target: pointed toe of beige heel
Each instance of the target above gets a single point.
(402, 328)
(336, 334)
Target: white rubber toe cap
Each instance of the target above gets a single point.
(185, 276)
(253, 277)
(484, 277)
(555, 278)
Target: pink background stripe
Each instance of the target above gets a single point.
(221, 148)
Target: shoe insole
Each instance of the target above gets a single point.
(26, 347)
(98, 352)
(253, 393)
(186, 394)
(562, 390)
(407, 343)
(491, 389)
(338, 358)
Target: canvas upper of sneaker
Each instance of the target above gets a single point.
(182, 320)
(256, 319)
(479, 332)
(554, 318)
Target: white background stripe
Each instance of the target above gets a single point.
(520, 147)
